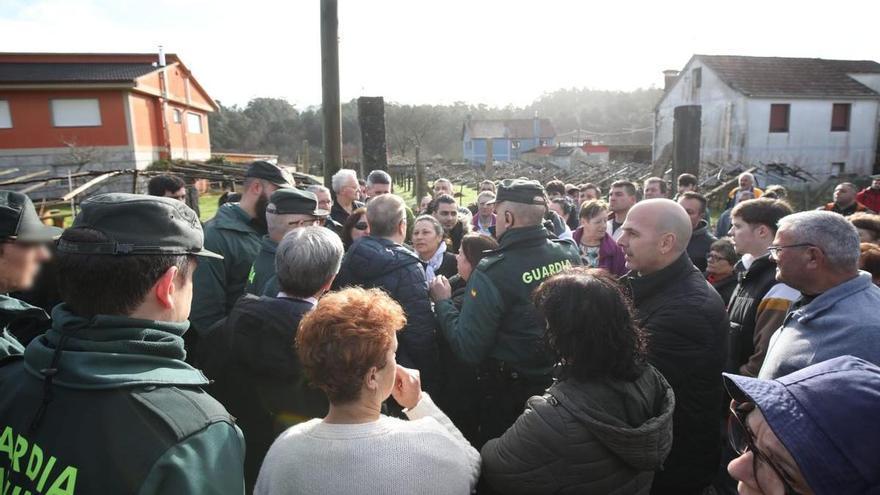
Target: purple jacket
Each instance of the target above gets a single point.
(610, 254)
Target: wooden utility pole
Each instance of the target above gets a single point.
(330, 89)
(307, 168)
(421, 188)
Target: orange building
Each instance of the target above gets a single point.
(109, 110)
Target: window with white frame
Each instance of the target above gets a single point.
(177, 116)
(80, 112)
(193, 123)
(5, 116)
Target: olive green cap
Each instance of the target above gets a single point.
(138, 225)
(529, 192)
(292, 200)
(19, 220)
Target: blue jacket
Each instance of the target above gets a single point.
(377, 262)
(841, 321)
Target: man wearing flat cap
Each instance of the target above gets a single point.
(23, 240)
(288, 209)
(498, 327)
(234, 232)
(103, 402)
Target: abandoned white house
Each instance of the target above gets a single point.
(820, 115)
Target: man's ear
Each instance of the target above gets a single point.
(667, 242)
(164, 288)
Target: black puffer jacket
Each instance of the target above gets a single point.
(687, 329)
(596, 437)
(256, 373)
(377, 262)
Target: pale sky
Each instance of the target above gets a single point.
(497, 52)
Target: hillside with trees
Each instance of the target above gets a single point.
(273, 125)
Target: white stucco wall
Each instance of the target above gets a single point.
(810, 143)
(735, 129)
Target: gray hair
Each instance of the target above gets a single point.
(339, 178)
(747, 174)
(828, 231)
(316, 188)
(433, 221)
(384, 214)
(278, 225)
(485, 194)
(307, 259)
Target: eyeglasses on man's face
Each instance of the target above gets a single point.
(742, 439)
(775, 250)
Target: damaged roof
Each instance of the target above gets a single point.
(798, 77)
(509, 128)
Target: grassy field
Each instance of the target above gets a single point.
(208, 205)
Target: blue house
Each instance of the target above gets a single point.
(504, 140)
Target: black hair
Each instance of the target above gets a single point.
(443, 198)
(591, 325)
(161, 184)
(699, 197)
(630, 187)
(102, 284)
(687, 180)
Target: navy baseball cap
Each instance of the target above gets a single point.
(825, 415)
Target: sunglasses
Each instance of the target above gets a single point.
(361, 226)
(742, 439)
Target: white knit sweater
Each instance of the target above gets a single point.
(390, 456)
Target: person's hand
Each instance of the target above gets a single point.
(407, 389)
(440, 289)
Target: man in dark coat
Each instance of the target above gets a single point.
(380, 260)
(701, 240)
(250, 355)
(235, 233)
(687, 325)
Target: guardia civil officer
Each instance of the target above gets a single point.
(23, 240)
(235, 233)
(103, 401)
(498, 327)
(288, 209)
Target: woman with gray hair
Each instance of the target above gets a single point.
(250, 357)
(429, 245)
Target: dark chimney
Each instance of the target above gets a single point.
(669, 77)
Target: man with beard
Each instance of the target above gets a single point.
(234, 233)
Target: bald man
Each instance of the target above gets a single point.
(686, 323)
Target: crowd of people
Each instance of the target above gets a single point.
(551, 338)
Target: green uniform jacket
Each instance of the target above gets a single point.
(497, 318)
(261, 279)
(13, 310)
(217, 284)
(120, 383)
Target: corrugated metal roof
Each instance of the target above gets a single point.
(796, 77)
(32, 73)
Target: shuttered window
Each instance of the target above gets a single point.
(840, 117)
(779, 117)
